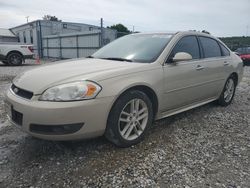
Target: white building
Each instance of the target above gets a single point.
(34, 32)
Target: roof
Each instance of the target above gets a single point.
(190, 32)
(73, 23)
(6, 33)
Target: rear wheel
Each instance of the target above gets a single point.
(15, 59)
(228, 92)
(129, 119)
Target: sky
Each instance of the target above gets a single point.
(221, 18)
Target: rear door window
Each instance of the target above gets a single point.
(224, 50)
(188, 44)
(210, 47)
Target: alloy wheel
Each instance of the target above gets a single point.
(229, 90)
(133, 119)
(15, 59)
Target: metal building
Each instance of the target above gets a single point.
(72, 45)
(7, 36)
(38, 31)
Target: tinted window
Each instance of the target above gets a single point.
(210, 47)
(225, 52)
(189, 45)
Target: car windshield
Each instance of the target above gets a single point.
(144, 48)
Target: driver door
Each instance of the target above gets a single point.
(184, 80)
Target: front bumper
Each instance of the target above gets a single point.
(91, 114)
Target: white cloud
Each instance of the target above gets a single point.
(220, 17)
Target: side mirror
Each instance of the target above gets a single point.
(182, 56)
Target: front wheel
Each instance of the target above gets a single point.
(129, 119)
(228, 92)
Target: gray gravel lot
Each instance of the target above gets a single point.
(205, 147)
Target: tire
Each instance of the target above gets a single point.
(228, 92)
(246, 63)
(15, 59)
(125, 128)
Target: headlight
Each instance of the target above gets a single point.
(73, 91)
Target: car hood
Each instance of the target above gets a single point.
(39, 79)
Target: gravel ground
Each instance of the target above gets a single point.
(205, 147)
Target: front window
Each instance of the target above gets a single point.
(188, 44)
(144, 48)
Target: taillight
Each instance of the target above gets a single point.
(31, 48)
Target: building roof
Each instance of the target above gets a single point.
(6, 33)
(73, 23)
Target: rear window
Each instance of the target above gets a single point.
(224, 50)
(210, 47)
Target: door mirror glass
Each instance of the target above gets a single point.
(182, 56)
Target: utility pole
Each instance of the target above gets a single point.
(247, 30)
(101, 32)
(27, 18)
(133, 28)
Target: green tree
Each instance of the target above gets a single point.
(51, 18)
(120, 28)
(236, 42)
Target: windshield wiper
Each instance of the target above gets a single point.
(117, 59)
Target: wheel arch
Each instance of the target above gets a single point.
(145, 89)
(235, 75)
(14, 51)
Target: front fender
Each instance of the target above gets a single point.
(118, 85)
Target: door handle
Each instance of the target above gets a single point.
(226, 63)
(199, 67)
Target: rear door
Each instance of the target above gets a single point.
(216, 60)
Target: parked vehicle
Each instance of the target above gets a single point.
(123, 87)
(15, 53)
(244, 53)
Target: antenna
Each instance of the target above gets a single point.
(27, 18)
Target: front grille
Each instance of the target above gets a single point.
(21, 92)
(16, 117)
